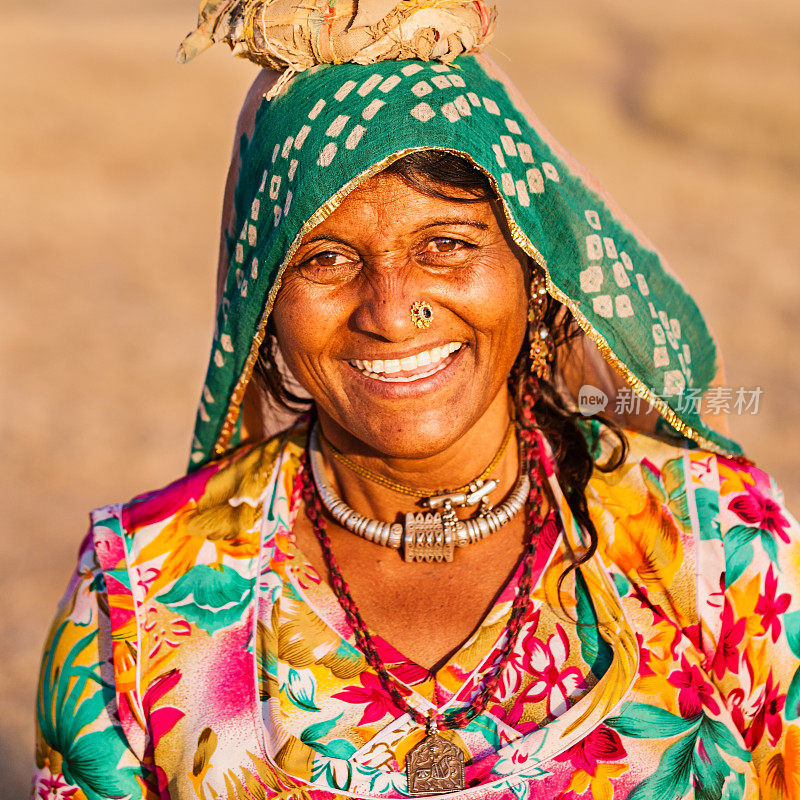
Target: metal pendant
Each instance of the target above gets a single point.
(427, 538)
(435, 766)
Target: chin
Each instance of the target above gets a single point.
(412, 432)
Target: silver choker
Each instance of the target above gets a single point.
(425, 536)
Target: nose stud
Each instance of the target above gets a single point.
(421, 314)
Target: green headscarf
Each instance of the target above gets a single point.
(333, 127)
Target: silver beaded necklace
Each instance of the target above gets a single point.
(424, 536)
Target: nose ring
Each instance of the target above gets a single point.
(421, 314)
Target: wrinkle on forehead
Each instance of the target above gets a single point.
(385, 209)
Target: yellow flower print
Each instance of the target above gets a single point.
(642, 538)
(304, 639)
(599, 783)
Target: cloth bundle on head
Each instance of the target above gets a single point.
(332, 127)
(281, 34)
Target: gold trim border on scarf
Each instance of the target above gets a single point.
(519, 238)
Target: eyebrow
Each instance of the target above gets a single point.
(473, 223)
(328, 237)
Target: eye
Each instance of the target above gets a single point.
(443, 244)
(446, 251)
(327, 259)
(329, 266)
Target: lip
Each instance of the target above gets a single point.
(413, 388)
(399, 356)
(410, 367)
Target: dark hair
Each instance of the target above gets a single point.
(538, 401)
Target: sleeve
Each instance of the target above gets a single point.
(81, 750)
(756, 661)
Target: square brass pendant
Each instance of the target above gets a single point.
(435, 766)
(427, 538)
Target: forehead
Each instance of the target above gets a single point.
(388, 202)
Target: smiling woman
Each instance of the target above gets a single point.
(406, 559)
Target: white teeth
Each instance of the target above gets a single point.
(423, 359)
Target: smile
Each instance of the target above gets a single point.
(411, 368)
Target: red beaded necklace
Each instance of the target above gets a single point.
(440, 755)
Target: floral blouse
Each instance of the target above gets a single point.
(198, 654)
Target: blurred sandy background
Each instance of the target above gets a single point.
(113, 160)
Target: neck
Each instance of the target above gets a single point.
(455, 465)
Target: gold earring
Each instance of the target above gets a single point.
(541, 343)
(421, 314)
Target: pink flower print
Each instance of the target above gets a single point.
(769, 716)
(543, 663)
(146, 578)
(163, 632)
(54, 787)
(160, 719)
(153, 507)
(760, 511)
(306, 574)
(373, 696)
(701, 467)
(770, 606)
(726, 657)
(511, 677)
(694, 691)
(602, 744)
(401, 667)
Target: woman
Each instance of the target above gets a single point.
(438, 576)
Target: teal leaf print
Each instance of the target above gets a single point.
(734, 788)
(595, 649)
(675, 487)
(694, 760)
(707, 503)
(641, 721)
(791, 625)
(621, 583)
(792, 708)
(63, 718)
(336, 748)
(738, 552)
(336, 773)
(668, 487)
(671, 778)
(210, 597)
(770, 546)
(317, 730)
(301, 689)
(723, 738)
(487, 727)
(521, 791)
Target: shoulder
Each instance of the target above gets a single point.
(85, 739)
(668, 507)
(199, 532)
(235, 481)
(677, 472)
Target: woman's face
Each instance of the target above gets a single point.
(345, 330)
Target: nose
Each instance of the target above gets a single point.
(384, 307)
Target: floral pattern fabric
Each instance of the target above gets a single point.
(197, 654)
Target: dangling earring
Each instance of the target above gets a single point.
(541, 343)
